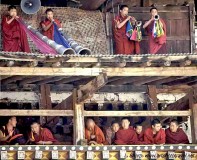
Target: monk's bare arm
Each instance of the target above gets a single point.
(121, 24)
(148, 23)
(10, 21)
(45, 28)
(2, 138)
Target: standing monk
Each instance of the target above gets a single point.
(175, 135)
(126, 135)
(41, 136)
(14, 37)
(155, 134)
(122, 43)
(93, 133)
(48, 24)
(156, 44)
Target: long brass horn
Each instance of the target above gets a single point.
(74, 45)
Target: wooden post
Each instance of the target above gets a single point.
(78, 120)
(193, 117)
(45, 101)
(152, 92)
(191, 18)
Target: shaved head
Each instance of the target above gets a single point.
(90, 124)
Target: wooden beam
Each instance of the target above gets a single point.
(152, 92)
(11, 79)
(29, 112)
(79, 125)
(127, 71)
(126, 80)
(67, 80)
(183, 81)
(49, 80)
(146, 80)
(164, 80)
(32, 80)
(136, 113)
(86, 91)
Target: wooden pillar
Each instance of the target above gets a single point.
(193, 118)
(45, 100)
(152, 92)
(79, 125)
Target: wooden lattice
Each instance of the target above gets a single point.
(85, 27)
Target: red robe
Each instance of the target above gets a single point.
(100, 138)
(125, 137)
(178, 137)
(14, 37)
(50, 32)
(122, 44)
(156, 45)
(140, 138)
(150, 138)
(45, 135)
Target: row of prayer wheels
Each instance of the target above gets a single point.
(59, 152)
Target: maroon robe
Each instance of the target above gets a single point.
(140, 138)
(178, 137)
(150, 138)
(156, 45)
(50, 32)
(125, 137)
(45, 135)
(122, 44)
(14, 37)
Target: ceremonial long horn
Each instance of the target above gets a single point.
(74, 45)
(30, 6)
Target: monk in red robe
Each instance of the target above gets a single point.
(155, 134)
(93, 133)
(175, 135)
(14, 37)
(47, 24)
(111, 131)
(140, 133)
(41, 136)
(126, 135)
(9, 134)
(122, 44)
(156, 45)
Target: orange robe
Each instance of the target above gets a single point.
(45, 135)
(100, 138)
(150, 138)
(125, 137)
(14, 38)
(122, 44)
(50, 32)
(178, 137)
(156, 45)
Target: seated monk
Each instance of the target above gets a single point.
(155, 134)
(140, 133)
(111, 131)
(41, 136)
(47, 24)
(14, 37)
(126, 135)
(9, 134)
(175, 135)
(93, 133)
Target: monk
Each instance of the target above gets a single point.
(14, 37)
(126, 135)
(175, 135)
(41, 136)
(47, 24)
(156, 45)
(9, 134)
(155, 134)
(93, 133)
(122, 44)
(140, 133)
(111, 131)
